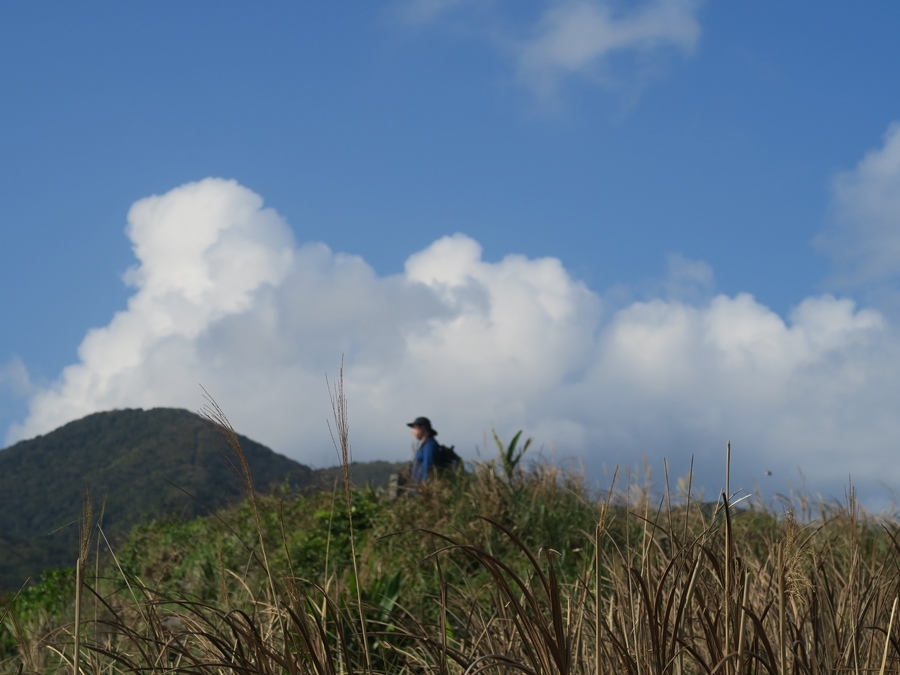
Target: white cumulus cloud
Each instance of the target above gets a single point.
(224, 296)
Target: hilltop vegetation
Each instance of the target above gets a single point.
(140, 465)
(505, 568)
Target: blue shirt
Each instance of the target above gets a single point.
(424, 461)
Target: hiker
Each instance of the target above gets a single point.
(431, 457)
(426, 453)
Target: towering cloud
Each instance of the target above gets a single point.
(224, 297)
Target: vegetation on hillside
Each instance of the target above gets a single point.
(508, 567)
(140, 465)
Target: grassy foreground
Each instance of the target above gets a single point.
(504, 568)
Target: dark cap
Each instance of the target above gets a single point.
(422, 422)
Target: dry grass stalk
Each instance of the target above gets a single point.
(345, 455)
(84, 546)
(217, 418)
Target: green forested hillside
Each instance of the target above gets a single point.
(138, 464)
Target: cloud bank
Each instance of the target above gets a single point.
(225, 297)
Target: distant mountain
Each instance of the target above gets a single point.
(139, 465)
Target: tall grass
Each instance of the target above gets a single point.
(506, 568)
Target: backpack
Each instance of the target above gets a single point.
(446, 458)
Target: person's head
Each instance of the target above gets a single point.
(421, 428)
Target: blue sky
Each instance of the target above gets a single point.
(504, 203)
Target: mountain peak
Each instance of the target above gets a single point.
(138, 464)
